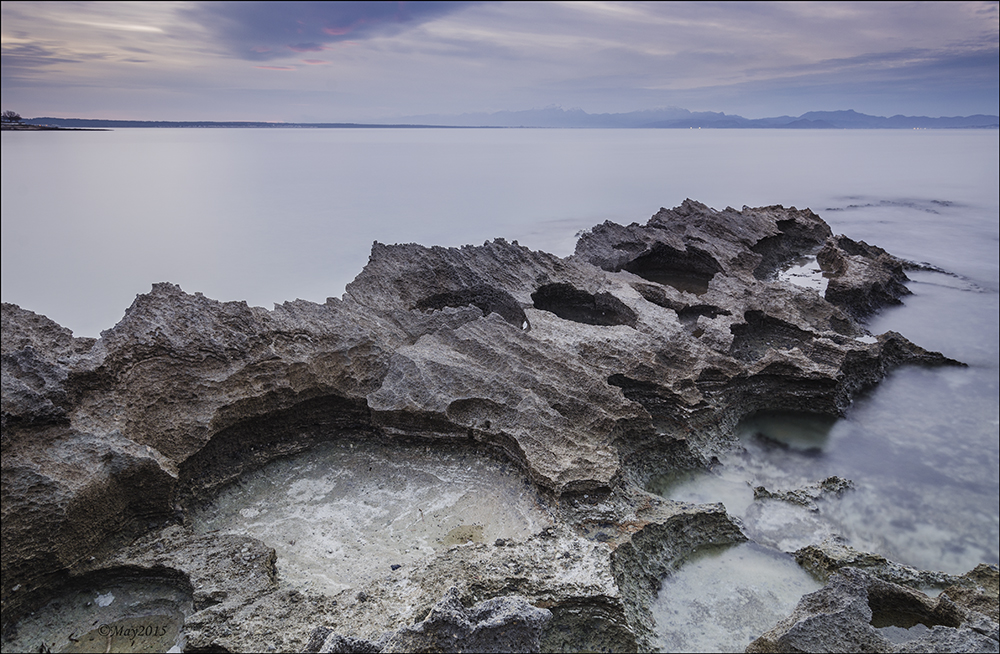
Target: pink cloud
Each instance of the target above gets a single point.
(276, 67)
(315, 61)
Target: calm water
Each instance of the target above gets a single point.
(92, 218)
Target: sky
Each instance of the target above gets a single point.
(377, 61)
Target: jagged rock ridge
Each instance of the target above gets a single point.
(637, 354)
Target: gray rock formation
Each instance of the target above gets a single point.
(637, 355)
(501, 624)
(806, 495)
(831, 555)
(860, 612)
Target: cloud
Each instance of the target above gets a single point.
(909, 64)
(123, 27)
(23, 62)
(358, 61)
(260, 31)
(32, 55)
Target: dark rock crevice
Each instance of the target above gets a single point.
(794, 239)
(690, 270)
(892, 606)
(250, 444)
(580, 306)
(486, 298)
(760, 333)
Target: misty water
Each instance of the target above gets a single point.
(89, 219)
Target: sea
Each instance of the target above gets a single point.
(90, 219)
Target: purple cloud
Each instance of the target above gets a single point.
(261, 31)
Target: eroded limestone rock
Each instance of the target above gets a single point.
(831, 555)
(590, 373)
(857, 611)
(806, 495)
(500, 624)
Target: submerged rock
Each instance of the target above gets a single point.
(589, 374)
(806, 495)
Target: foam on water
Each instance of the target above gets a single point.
(343, 513)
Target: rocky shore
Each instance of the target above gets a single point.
(588, 375)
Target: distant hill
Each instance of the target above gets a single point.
(676, 118)
(852, 119)
(668, 118)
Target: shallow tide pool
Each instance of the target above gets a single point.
(723, 597)
(344, 513)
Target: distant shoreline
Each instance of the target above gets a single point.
(95, 124)
(25, 127)
(110, 126)
(832, 120)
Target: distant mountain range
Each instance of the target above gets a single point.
(670, 118)
(675, 118)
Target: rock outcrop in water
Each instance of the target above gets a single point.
(635, 356)
(858, 611)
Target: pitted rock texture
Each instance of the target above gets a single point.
(640, 352)
(849, 613)
(808, 495)
(501, 624)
